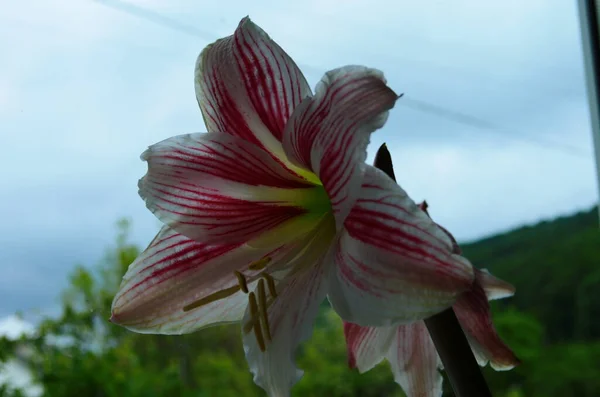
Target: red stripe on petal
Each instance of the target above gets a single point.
(272, 80)
(415, 362)
(215, 187)
(247, 86)
(366, 346)
(224, 157)
(225, 109)
(385, 218)
(329, 133)
(175, 271)
(473, 312)
(392, 262)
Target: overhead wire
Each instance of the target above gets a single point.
(407, 101)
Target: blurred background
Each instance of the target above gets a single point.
(493, 131)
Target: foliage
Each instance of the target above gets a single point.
(553, 324)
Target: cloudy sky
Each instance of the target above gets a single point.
(493, 130)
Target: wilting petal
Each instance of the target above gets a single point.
(367, 346)
(329, 132)
(174, 272)
(408, 348)
(247, 86)
(473, 312)
(455, 247)
(494, 287)
(415, 361)
(218, 188)
(291, 317)
(393, 264)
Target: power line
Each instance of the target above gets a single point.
(156, 18)
(472, 121)
(415, 104)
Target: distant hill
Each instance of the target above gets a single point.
(555, 266)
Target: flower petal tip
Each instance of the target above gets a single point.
(507, 365)
(114, 318)
(494, 287)
(145, 155)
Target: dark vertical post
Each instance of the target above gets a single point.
(590, 40)
(448, 337)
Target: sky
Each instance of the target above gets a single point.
(493, 130)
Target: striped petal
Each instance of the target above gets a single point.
(290, 321)
(494, 287)
(409, 350)
(174, 272)
(367, 346)
(392, 263)
(329, 133)
(218, 188)
(411, 353)
(247, 86)
(473, 312)
(415, 362)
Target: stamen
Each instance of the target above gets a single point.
(254, 315)
(224, 293)
(271, 284)
(241, 281)
(260, 264)
(262, 308)
(249, 325)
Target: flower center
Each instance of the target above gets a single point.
(307, 251)
(306, 241)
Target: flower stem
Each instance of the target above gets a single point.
(448, 337)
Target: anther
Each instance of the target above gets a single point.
(271, 284)
(249, 325)
(256, 324)
(260, 264)
(241, 281)
(262, 308)
(224, 293)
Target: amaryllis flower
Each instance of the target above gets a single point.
(410, 350)
(274, 209)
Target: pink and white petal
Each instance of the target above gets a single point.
(393, 264)
(329, 133)
(174, 272)
(367, 346)
(473, 312)
(291, 317)
(247, 86)
(218, 188)
(415, 361)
